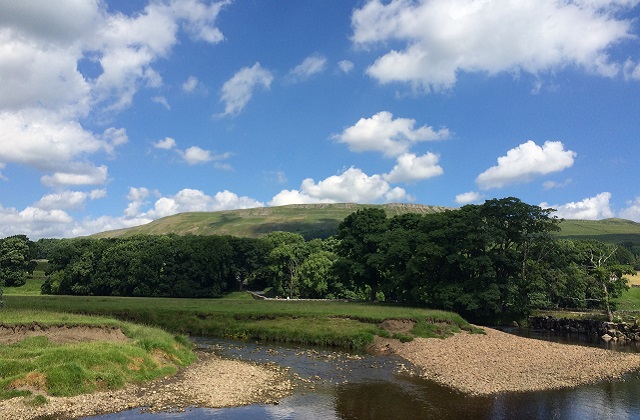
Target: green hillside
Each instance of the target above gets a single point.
(309, 220)
(607, 230)
(321, 221)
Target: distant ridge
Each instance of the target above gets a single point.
(309, 220)
(322, 220)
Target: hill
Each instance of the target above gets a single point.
(322, 220)
(612, 230)
(309, 220)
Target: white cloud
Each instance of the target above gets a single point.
(351, 186)
(632, 212)
(237, 91)
(525, 162)
(44, 141)
(45, 49)
(167, 144)
(592, 208)
(34, 222)
(162, 101)
(345, 66)
(442, 37)
(468, 197)
(79, 174)
(188, 200)
(631, 70)
(548, 185)
(310, 66)
(382, 133)
(190, 84)
(413, 168)
(68, 200)
(195, 155)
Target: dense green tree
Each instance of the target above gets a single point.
(603, 273)
(359, 258)
(15, 260)
(288, 253)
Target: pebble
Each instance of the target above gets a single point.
(495, 362)
(211, 382)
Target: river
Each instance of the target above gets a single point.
(342, 385)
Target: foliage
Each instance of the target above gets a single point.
(15, 260)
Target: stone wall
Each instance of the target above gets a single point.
(605, 330)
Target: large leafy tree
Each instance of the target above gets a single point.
(285, 258)
(360, 259)
(15, 260)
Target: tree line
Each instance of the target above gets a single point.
(486, 262)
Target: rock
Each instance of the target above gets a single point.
(606, 337)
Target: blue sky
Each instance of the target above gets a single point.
(113, 114)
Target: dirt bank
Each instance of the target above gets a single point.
(210, 382)
(60, 334)
(500, 362)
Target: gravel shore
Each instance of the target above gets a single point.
(211, 382)
(480, 364)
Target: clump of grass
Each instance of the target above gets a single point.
(38, 365)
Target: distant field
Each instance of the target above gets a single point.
(607, 230)
(634, 280)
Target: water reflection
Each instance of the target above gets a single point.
(342, 385)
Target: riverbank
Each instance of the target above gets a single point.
(211, 382)
(495, 362)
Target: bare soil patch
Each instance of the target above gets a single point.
(401, 326)
(60, 334)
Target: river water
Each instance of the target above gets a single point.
(342, 385)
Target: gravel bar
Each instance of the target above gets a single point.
(495, 362)
(211, 382)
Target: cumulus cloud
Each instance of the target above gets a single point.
(468, 197)
(383, 133)
(167, 144)
(632, 212)
(68, 200)
(238, 91)
(48, 217)
(440, 38)
(190, 84)
(345, 66)
(592, 208)
(309, 67)
(194, 155)
(351, 186)
(188, 200)
(414, 168)
(34, 222)
(525, 162)
(80, 174)
(46, 50)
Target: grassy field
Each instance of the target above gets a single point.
(341, 324)
(607, 230)
(38, 367)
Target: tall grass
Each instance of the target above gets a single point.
(342, 324)
(38, 366)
